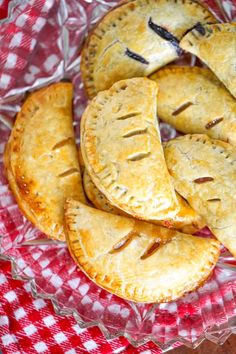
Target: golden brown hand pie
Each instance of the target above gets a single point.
(96, 197)
(41, 158)
(186, 220)
(215, 45)
(122, 151)
(81, 161)
(204, 173)
(13, 186)
(137, 38)
(193, 100)
(136, 260)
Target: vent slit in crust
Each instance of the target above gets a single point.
(201, 180)
(136, 56)
(129, 115)
(182, 108)
(68, 172)
(164, 34)
(139, 156)
(151, 250)
(135, 132)
(214, 200)
(124, 242)
(214, 122)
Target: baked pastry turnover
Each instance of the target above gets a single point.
(136, 260)
(193, 100)
(215, 46)
(41, 159)
(81, 161)
(186, 219)
(96, 197)
(122, 151)
(204, 173)
(137, 38)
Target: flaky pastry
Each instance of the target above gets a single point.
(204, 173)
(137, 38)
(186, 219)
(215, 46)
(96, 197)
(41, 160)
(135, 260)
(193, 100)
(122, 150)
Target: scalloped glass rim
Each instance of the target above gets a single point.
(11, 6)
(217, 334)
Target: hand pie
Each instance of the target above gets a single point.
(96, 197)
(136, 260)
(137, 38)
(81, 161)
(186, 220)
(193, 100)
(215, 46)
(204, 173)
(14, 188)
(41, 159)
(122, 151)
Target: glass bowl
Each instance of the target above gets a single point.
(208, 313)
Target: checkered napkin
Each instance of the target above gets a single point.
(30, 326)
(18, 40)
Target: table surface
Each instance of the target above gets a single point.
(207, 347)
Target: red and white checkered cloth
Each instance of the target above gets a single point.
(19, 42)
(29, 325)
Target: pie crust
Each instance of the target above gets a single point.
(186, 220)
(215, 45)
(41, 160)
(96, 197)
(122, 150)
(204, 173)
(135, 260)
(193, 100)
(137, 38)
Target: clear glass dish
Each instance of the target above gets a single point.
(209, 313)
